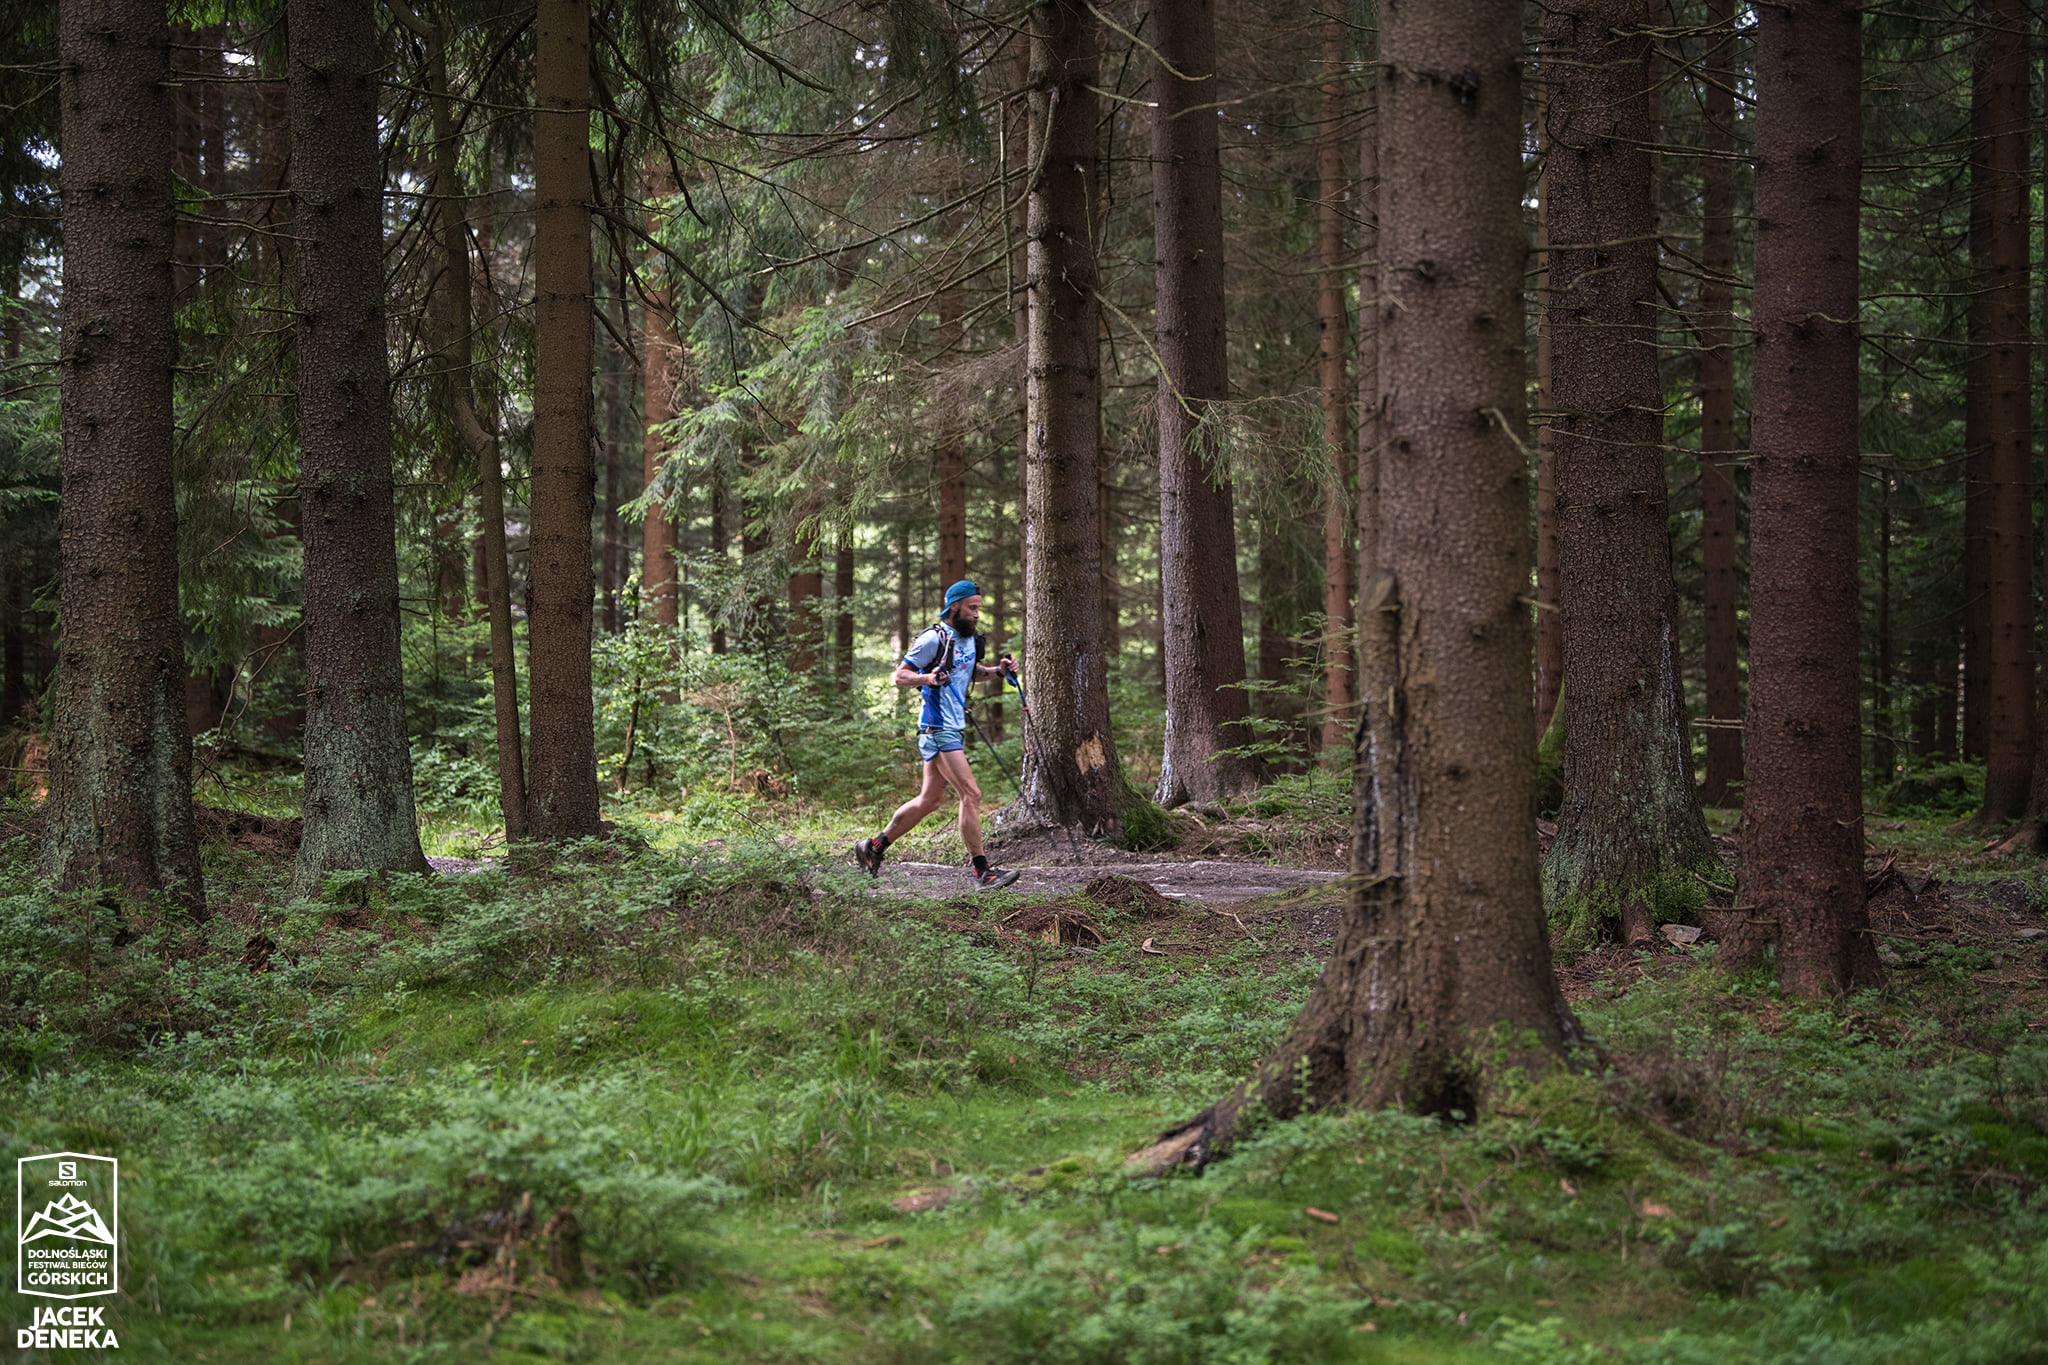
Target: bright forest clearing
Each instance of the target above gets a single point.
(524, 523)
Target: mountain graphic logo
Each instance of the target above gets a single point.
(67, 1221)
(67, 1217)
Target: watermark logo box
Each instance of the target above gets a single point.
(67, 1216)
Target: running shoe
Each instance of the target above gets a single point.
(995, 877)
(868, 858)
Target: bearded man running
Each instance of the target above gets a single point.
(944, 661)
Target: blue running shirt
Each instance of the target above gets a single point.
(943, 706)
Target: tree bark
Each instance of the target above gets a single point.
(1802, 828)
(2008, 510)
(1202, 615)
(562, 800)
(359, 811)
(120, 809)
(1337, 560)
(1630, 821)
(1071, 773)
(1720, 592)
(1440, 976)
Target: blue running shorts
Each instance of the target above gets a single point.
(933, 743)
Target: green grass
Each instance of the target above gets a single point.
(714, 1082)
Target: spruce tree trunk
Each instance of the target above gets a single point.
(2008, 510)
(1802, 828)
(1718, 448)
(1440, 976)
(1337, 559)
(358, 793)
(120, 809)
(1071, 773)
(562, 793)
(1201, 614)
(1630, 820)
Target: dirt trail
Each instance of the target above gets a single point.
(1172, 878)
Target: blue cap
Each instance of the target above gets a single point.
(964, 588)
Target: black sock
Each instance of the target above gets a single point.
(981, 862)
(881, 843)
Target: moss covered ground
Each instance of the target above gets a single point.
(719, 1101)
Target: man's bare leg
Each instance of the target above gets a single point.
(928, 799)
(956, 771)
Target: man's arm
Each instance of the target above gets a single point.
(911, 674)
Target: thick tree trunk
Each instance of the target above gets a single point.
(661, 361)
(1071, 773)
(1202, 617)
(1718, 449)
(562, 796)
(2008, 511)
(358, 793)
(1630, 821)
(1802, 828)
(120, 808)
(1440, 977)
(1337, 560)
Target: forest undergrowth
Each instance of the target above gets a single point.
(724, 1101)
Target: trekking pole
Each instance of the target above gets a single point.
(997, 755)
